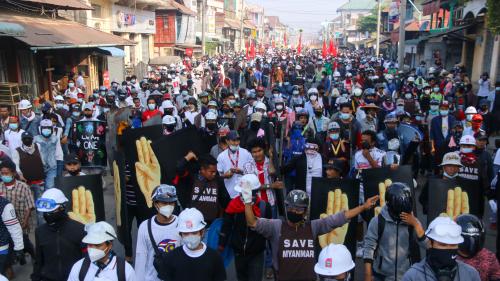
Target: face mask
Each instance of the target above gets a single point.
(211, 126)
(440, 259)
(318, 113)
(46, 132)
(13, 126)
(151, 106)
(294, 217)
(466, 150)
(400, 107)
(191, 241)
(59, 105)
(313, 98)
(279, 107)
(53, 218)
(76, 113)
(95, 254)
(71, 85)
(436, 90)
(443, 112)
(298, 108)
(334, 136)
(295, 93)
(75, 172)
(234, 148)
(27, 141)
(469, 117)
(213, 110)
(434, 107)
(132, 81)
(276, 96)
(449, 176)
(408, 96)
(345, 116)
(287, 83)
(7, 179)
(166, 211)
(427, 92)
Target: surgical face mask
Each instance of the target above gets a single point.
(436, 90)
(166, 210)
(276, 96)
(286, 83)
(466, 150)
(95, 254)
(313, 97)
(469, 117)
(408, 96)
(151, 106)
(7, 179)
(443, 112)
(449, 176)
(71, 85)
(334, 136)
(191, 241)
(279, 107)
(295, 93)
(427, 91)
(46, 132)
(234, 148)
(59, 105)
(132, 81)
(13, 126)
(400, 107)
(76, 113)
(345, 116)
(434, 107)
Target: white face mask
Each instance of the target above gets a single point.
(166, 210)
(449, 176)
(279, 107)
(234, 148)
(95, 254)
(71, 85)
(313, 97)
(191, 241)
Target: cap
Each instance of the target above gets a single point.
(168, 120)
(26, 135)
(233, 135)
(445, 103)
(451, 158)
(88, 106)
(71, 158)
(468, 140)
(256, 116)
(333, 126)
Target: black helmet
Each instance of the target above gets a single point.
(473, 234)
(297, 198)
(398, 199)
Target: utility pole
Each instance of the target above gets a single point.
(203, 25)
(401, 44)
(241, 25)
(377, 52)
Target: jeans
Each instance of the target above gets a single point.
(37, 193)
(249, 268)
(50, 176)
(4, 260)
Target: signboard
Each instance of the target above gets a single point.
(86, 200)
(91, 143)
(131, 20)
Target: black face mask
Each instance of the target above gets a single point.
(226, 110)
(318, 113)
(442, 262)
(169, 128)
(211, 126)
(169, 112)
(294, 217)
(54, 218)
(28, 142)
(254, 126)
(74, 173)
(88, 115)
(391, 133)
(365, 145)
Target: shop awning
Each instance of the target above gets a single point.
(232, 24)
(42, 33)
(165, 60)
(64, 4)
(11, 29)
(430, 7)
(113, 51)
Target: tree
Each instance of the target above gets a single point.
(368, 23)
(493, 15)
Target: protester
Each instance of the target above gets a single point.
(334, 263)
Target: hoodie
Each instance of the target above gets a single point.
(423, 272)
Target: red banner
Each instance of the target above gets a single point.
(105, 79)
(189, 52)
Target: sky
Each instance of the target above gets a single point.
(305, 14)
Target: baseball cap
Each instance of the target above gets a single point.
(71, 158)
(451, 158)
(233, 135)
(256, 116)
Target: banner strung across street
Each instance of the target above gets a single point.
(86, 200)
(91, 142)
(331, 196)
(453, 197)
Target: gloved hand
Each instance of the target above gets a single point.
(19, 257)
(246, 192)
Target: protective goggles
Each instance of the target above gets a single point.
(164, 192)
(45, 203)
(449, 230)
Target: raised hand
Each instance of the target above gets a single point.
(382, 188)
(147, 169)
(118, 193)
(337, 202)
(457, 203)
(83, 206)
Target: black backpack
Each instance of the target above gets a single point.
(159, 255)
(120, 269)
(414, 254)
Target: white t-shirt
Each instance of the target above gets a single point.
(166, 238)
(314, 169)
(227, 160)
(360, 162)
(13, 139)
(107, 273)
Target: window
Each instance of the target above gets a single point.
(96, 12)
(165, 22)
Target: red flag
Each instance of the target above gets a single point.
(252, 50)
(333, 53)
(246, 49)
(330, 47)
(299, 47)
(284, 40)
(324, 51)
(274, 44)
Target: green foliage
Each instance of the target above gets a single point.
(368, 23)
(493, 15)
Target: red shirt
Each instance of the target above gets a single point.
(262, 179)
(149, 113)
(486, 263)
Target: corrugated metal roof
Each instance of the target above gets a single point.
(45, 33)
(172, 5)
(66, 4)
(358, 5)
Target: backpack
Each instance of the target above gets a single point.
(159, 255)
(414, 254)
(120, 269)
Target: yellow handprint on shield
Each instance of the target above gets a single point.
(83, 206)
(337, 202)
(457, 203)
(382, 188)
(118, 193)
(147, 169)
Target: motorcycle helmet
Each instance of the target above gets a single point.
(398, 199)
(473, 234)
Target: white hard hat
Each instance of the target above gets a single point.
(59, 98)
(260, 105)
(348, 74)
(468, 139)
(298, 67)
(24, 104)
(470, 110)
(98, 233)
(336, 74)
(168, 120)
(357, 92)
(168, 104)
(411, 79)
(210, 116)
(334, 260)
(190, 220)
(333, 125)
(312, 91)
(248, 179)
(445, 230)
(55, 195)
(451, 158)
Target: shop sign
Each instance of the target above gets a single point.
(131, 20)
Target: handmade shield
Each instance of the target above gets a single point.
(91, 143)
(376, 181)
(86, 200)
(331, 196)
(453, 197)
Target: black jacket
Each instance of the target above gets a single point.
(57, 249)
(242, 239)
